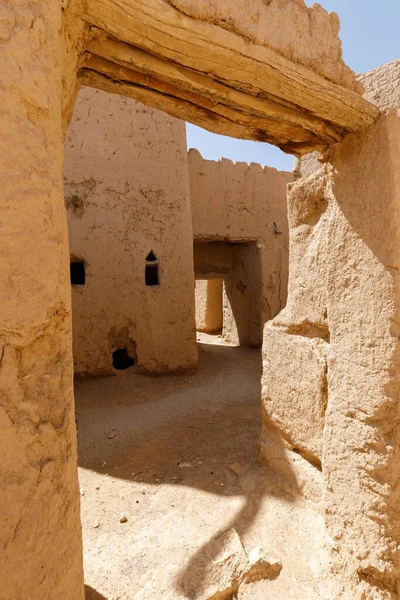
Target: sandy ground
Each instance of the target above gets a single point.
(158, 450)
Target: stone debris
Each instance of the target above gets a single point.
(123, 518)
(224, 566)
(112, 435)
(96, 524)
(261, 567)
(184, 465)
(237, 468)
(221, 566)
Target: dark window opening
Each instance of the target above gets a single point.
(151, 257)
(122, 360)
(151, 275)
(77, 272)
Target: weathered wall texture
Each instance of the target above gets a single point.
(382, 85)
(243, 206)
(209, 305)
(341, 329)
(127, 193)
(40, 533)
(246, 296)
(289, 27)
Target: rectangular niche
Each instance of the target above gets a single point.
(77, 272)
(151, 275)
(151, 270)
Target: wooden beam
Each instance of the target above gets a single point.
(251, 88)
(219, 95)
(186, 111)
(271, 125)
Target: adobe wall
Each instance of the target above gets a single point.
(127, 193)
(40, 530)
(245, 206)
(382, 85)
(335, 350)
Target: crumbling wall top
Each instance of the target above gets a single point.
(307, 35)
(382, 85)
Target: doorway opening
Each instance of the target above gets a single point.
(228, 291)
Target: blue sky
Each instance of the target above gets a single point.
(370, 37)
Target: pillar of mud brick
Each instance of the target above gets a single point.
(40, 532)
(331, 358)
(361, 442)
(209, 305)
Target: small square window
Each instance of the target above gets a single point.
(77, 271)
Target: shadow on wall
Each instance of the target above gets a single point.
(91, 594)
(245, 304)
(243, 298)
(213, 415)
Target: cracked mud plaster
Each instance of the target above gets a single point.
(39, 501)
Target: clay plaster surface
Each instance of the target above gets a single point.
(363, 395)
(40, 533)
(382, 85)
(344, 296)
(209, 305)
(127, 193)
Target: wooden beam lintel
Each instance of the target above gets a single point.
(203, 48)
(198, 115)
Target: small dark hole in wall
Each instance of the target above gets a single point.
(77, 271)
(151, 275)
(122, 360)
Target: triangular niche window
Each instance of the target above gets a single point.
(151, 257)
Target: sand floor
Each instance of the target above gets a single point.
(158, 450)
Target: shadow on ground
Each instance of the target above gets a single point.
(185, 431)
